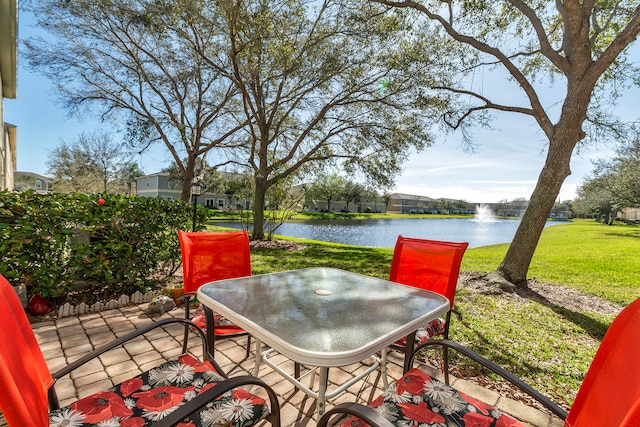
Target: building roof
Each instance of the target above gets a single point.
(410, 197)
(32, 174)
(154, 174)
(8, 47)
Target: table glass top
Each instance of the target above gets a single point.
(322, 310)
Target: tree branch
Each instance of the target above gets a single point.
(538, 111)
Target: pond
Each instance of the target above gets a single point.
(382, 233)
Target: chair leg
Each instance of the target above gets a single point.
(408, 349)
(185, 340)
(210, 331)
(445, 358)
(445, 349)
(248, 346)
(54, 403)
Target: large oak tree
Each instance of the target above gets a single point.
(321, 82)
(581, 45)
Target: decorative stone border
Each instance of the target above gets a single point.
(67, 309)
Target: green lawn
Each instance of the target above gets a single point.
(590, 257)
(550, 346)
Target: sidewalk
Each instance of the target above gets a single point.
(66, 339)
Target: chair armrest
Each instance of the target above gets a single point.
(133, 334)
(545, 401)
(218, 390)
(365, 413)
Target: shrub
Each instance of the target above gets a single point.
(33, 241)
(110, 243)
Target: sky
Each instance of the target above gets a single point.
(505, 164)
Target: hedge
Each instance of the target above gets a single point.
(55, 243)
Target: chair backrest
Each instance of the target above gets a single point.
(428, 264)
(213, 256)
(610, 392)
(24, 375)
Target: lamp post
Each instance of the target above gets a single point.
(196, 190)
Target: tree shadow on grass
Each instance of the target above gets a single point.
(592, 320)
(634, 235)
(594, 327)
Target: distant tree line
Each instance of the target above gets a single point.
(334, 187)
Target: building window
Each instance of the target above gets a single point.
(220, 203)
(38, 184)
(148, 183)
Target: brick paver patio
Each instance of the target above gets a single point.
(65, 339)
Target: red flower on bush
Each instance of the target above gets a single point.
(101, 406)
(101, 202)
(161, 398)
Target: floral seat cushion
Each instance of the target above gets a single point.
(152, 395)
(425, 333)
(419, 400)
(222, 325)
(433, 329)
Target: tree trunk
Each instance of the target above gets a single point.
(516, 262)
(258, 209)
(188, 174)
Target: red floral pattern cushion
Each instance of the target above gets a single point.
(425, 333)
(433, 329)
(152, 395)
(419, 400)
(218, 320)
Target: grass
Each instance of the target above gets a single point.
(548, 345)
(590, 257)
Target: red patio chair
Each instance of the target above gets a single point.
(434, 266)
(207, 257)
(184, 392)
(608, 397)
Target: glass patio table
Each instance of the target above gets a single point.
(322, 317)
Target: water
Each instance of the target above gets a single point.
(382, 233)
